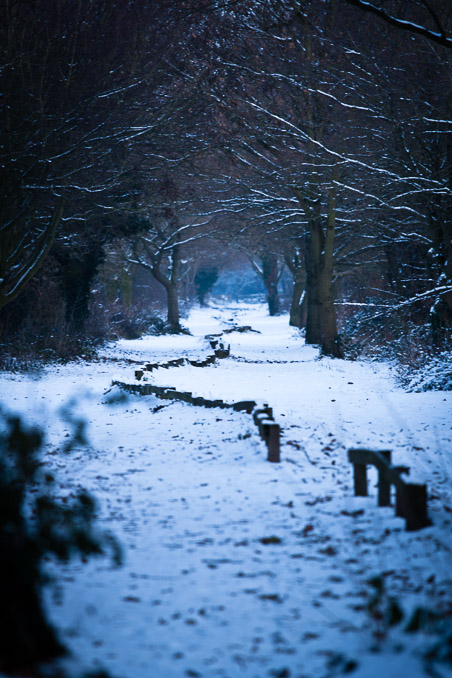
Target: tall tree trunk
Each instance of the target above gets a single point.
(78, 272)
(295, 319)
(304, 309)
(295, 264)
(441, 311)
(126, 280)
(171, 285)
(321, 327)
(313, 261)
(330, 340)
(172, 295)
(270, 277)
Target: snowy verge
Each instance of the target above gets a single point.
(236, 567)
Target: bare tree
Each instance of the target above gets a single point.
(63, 80)
(84, 85)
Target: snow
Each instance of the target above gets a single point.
(235, 566)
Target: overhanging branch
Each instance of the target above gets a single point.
(440, 37)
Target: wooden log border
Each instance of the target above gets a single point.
(411, 498)
(269, 430)
(150, 367)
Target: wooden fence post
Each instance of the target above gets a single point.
(400, 501)
(413, 503)
(272, 440)
(360, 480)
(384, 485)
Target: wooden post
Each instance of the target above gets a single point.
(360, 479)
(260, 419)
(264, 430)
(384, 485)
(262, 412)
(415, 506)
(272, 440)
(268, 410)
(400, 500)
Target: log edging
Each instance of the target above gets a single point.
(180, 362)
(268, 429)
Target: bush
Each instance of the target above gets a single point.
(205, 279)
(434, 374)
(34, 525)
(422, 364)
(133, 325)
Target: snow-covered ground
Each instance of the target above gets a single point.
(235, 566)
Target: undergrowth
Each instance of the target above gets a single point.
(421, 361)
(31, 346)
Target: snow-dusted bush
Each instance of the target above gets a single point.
(369, 333)
(421, 364)
(435, 374)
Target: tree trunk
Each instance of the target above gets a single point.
(296, 303)
(172, 294)
(126, 278)
(313, 262)
(171, 285)
(321, 325)
(78, 272)
(328, 327)
(313, 308)
(330, 340)
(441, 311)
(270, 277)
(295, 264)
(304, 309)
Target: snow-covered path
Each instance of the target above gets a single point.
(234, 566)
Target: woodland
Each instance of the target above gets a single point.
(155, 155)
(148, 147)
